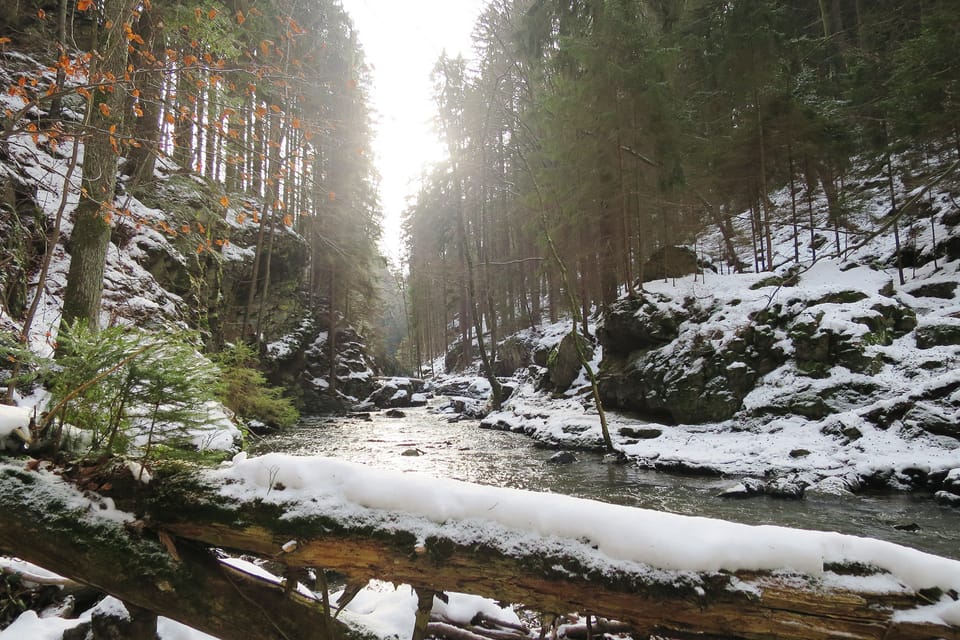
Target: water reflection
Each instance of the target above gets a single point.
(462, 451)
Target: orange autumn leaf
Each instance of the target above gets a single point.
(185, 228)
(241, 218)
(104, 109)
(169, 118)
(224, 201)
(83, 5)
(197, 13)
(288, 220)
(212, 14)
(5, 40)
(41, 14)
(240, 18)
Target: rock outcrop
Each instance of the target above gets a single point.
(808, 351)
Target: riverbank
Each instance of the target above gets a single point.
(876, 429)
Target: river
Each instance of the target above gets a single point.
(463, 451)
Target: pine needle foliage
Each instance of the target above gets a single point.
(127, 390)
(244, 389)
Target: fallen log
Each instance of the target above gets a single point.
(197, 510)
(365, 543)
(79, 535)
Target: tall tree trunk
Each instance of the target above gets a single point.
(272, 201)
(56, 105)
(332, 331)
(893, 207)
(764, 201)
(185, 110)
(91, 232)
(624, 230)
(793, 207)
(496, 390)
(834, 207)
(148, 81)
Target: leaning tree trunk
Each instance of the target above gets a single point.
(91, 231)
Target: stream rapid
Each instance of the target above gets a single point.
(426, 442)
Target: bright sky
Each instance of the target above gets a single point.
(402, 41)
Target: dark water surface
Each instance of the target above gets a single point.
(463, 451)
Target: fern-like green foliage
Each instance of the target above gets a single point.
(244, 389)
(127, 390)
(19, 366)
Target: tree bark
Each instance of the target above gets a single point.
(148, 80)
(91, 232)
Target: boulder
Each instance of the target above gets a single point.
(563, 366)
(782, 488)
(670, 262)
(945, 290)
(513, 354)
(644, 433)
(938, 335)
(947, 498)
(562, 457)
(633, 324)
(689, 383)
(392, 393)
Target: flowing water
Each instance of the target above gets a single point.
(462, 451)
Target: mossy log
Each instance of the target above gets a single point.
(139, 568)
(52, 524)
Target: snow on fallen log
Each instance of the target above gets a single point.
(662, 574)
(653, 569)
(15, 426)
